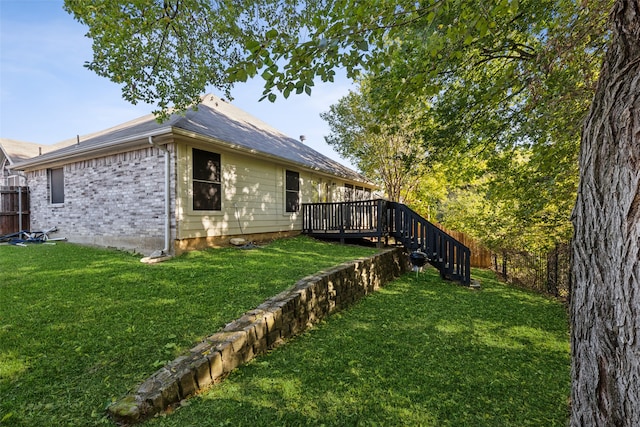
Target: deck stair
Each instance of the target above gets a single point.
(382, 219)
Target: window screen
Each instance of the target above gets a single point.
(207, 188)
(292, 191)
(56, 185)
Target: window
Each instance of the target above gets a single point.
(56, 185)
(207, 189)
(348, 192)
(292, 191)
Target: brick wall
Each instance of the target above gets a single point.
(114, 201)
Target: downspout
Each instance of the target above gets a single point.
(167, 202)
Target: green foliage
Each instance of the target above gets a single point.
(80, 326)
(169, 51)
(420, 352)
(502, 80)
(516, 199)
(389, 150)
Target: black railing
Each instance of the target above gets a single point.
(447, 254)
(380, 218)
(347, 219)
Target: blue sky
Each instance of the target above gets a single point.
(47, 96)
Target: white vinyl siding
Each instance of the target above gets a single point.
(254, 195)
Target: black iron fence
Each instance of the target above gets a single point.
(548, 272)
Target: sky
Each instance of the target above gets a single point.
(48, 96)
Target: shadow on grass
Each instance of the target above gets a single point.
(419, 352)
(81, 326)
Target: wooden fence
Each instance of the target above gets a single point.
(481, 257)
(14, 209)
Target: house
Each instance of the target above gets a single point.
(195, 180)
(12, 152)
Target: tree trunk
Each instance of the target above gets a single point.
(605, 306)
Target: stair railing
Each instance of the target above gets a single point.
(448, 255)
(380, 218)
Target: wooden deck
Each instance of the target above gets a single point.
(346, 220)
(381, 219)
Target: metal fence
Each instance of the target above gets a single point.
(547, 272)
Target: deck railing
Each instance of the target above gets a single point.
(365, 218)
(380, 219)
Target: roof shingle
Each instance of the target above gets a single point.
(217, 119)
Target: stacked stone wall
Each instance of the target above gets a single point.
(270, 324)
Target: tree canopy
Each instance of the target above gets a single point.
(390, 152)
(507, 83)
(501, 80)
(166, 52)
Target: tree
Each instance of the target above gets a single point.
(390, 152)
(541, 50)
(502, 205)
(167, 51)
(605, 306)
(506, 88)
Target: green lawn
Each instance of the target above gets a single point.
(79, 327)
(419, 352)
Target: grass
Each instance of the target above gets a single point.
(420, 352)
(80, 326)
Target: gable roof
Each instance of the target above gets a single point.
(18, 151)
(212, 119)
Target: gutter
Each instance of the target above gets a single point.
(75, 153)
(164, 253)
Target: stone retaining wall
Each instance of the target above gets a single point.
(278, 318)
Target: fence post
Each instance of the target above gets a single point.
(504, 264)
(20, 208)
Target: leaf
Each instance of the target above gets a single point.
(271, 34)
(240, 75)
